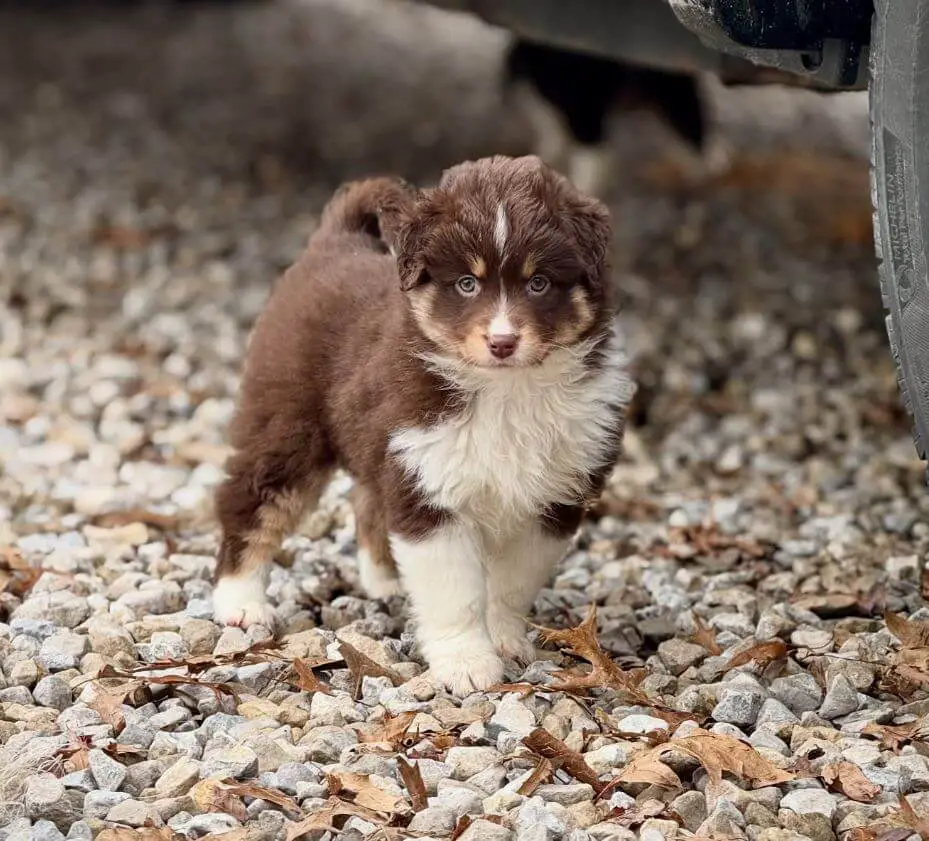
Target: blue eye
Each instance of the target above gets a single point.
(538, 285)
(467, 285)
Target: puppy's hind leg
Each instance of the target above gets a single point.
(376, 567)
(258, 505)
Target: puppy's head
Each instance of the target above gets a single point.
(504, 262)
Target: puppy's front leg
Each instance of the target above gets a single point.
(444, 574)
(519, 569)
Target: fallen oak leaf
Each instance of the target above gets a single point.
(910, 819)
(258, 652)
(326, 817)
(544, 744)
(581, 641)
(218, 689)
(523, 689)
(846, 778)
(307, 680)
(358, 789)
(144, 833)
(415, 785)
(541, 773)
(391, 731)
(716, 753)
(762, 653)
(213, 796)
(16, 575)
(646, 768)
(466, 820)
(640, 813)
(361, 666)
(831, 604)
(912, 633)
(259, 792)
(117, 751)
(894, 736)
(706, 637)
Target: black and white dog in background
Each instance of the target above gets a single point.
(572, 100)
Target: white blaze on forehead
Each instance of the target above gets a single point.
(501, 227)
(500, 324)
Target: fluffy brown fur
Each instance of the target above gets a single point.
(407, 325)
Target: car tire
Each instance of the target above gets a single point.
(899, 101)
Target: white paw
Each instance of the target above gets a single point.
(240, 601)
(466, 669)
(246, 615)
(509, 637)
(376, 580)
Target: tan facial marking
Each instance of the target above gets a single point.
(529, 267)
(478, 267)
(583, 317)
(421, 301)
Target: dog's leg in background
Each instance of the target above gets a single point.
(518, 571)
(257, 506)
(376, 567)
(444, 574)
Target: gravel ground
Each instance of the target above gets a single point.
(158, 167)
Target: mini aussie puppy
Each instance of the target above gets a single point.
(454, 351)
(571, 100)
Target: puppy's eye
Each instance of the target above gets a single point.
(467, 285)
(538, 285)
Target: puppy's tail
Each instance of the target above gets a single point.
(373, 206)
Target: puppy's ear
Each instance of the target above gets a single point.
(589, 221)
(410, 242)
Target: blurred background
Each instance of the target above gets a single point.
(162, 162)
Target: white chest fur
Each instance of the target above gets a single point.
(526, 439)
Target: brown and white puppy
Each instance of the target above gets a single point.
(469, 379)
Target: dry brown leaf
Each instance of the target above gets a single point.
(709, 541)
(706, 637)
(307, 680)
(466, 820)
(329, 816)
(831, 604)
(413, 780)
(524, 690)
(360, 665)
(108, 704)
(878, 832)
(262, 651)
(77, 754)
(716, 753)
(582, 642)
(118, 751)
(846, 778)
(145, 833)
(16, 575)
(894, 736)
(910, 819)
(213, 796)
(640, 813)
(271, 795)
(544, 744)
(646, 768)
(541, 774)
(911, 633)
(391, 731)
(137, 676)
(762, 653)
(358, 789)
(127, 516)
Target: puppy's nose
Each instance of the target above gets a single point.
(502, 345)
